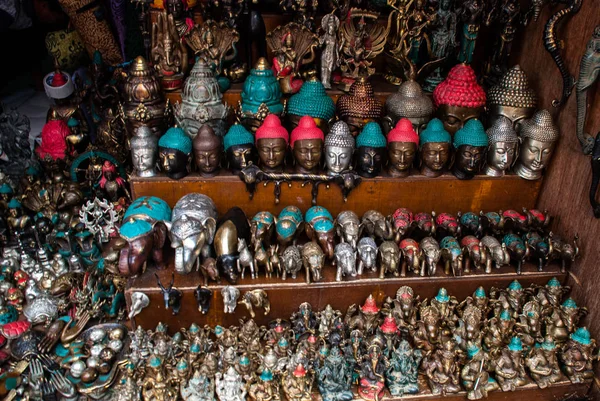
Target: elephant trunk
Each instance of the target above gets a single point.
(586, 141)
(184, 260)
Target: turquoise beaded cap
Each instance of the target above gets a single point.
(236, 136)
(317, 212)
(176, 138)
(6, 189)
(582, 336)
(312, 100)
(515, 344)
(371, 136)
(434, 132)
(472, 134)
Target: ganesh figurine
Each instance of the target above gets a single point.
(475, 378)
(297, 384)
(174, 150)
(312, 100)
(442, 370)
(539, 135)
(510, 366)
(230, 386)
(239, 147)
(458, 98)
(372, 373)
(334, 378)
(359, 106)
(512, 98)
(402, 375)
(402, 145)
(502, 147)
(408, 102)
(208, 148)
(470, 143)
(272, 142)
(339, 148)
(144, 152)
(264, 388)
(306, 142)
(542, 363)
(169, 54)
(577, 356)
(434, 149)
(370, 150)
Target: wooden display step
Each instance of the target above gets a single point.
(286, 296)
(385, 194)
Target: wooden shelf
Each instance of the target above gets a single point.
(286, 296)
(386, 194)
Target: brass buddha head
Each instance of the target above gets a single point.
(339, 148)
(307, 144)
(512, 98)
(272, 143)
(208, 148)
(174, 150)
(402, 145)
(434, 149)
(144, 152)
(239, 147)
(502, 147)
(408, 102)
(470, 143)
(359, 106)
(539, 135)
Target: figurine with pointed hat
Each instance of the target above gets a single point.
(239, 147)
(371, 150)
(312, 100)
(577, 356)
(272, 143)
(510, 366)
(307, 145)
(539, 136)
(359, 106)
(502, 147)
(434, 149)
(512, 98)
(470, 143)
(402, 145)
(174, 150)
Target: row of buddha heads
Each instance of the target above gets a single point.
(308, 150)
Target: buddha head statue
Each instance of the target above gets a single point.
(470, 143)
(239, 147)
(434, 149)
(312, 100)
(272, 143)
(370, 150)
(261, 95)
(512, 98)
(402, 145)
(208, 148)
(339, 148)
(359, 106)
(307, 144)
(408, 102)
(502, 147)
(144, 152)
(174, 150)
(538, 138)
(459, 98)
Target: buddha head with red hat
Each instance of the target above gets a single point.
(271, 142)
(307, 144)
(459, 98)
(403, 143)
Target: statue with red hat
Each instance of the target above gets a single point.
(297, 383)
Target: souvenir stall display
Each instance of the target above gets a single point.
(335, 201)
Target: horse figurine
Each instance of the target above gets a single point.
(245, 259)
(256, 298)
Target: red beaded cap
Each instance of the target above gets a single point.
(299, 371)
(389, 325)
(403, 132)
(460, 88)
(370, 306)
(306, 129)
(271, 128)
(54, 134)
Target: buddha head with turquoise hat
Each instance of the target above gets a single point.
(470, 143)
(239, 147)
(312, 100)
(434, 145)
(371, 150)
(174, 150)
(261, 95)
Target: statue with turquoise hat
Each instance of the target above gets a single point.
(563, 320)
(475, 378)
(312, 100)
(509, 366)
(238, 144)
(434, 149)
(444, 303)
(145, 231)
(529, 324)
(370, 150)
(577, 356)
(198, 388)
(264, 387)
(542, 363)
(470, 144)
(499, 331)
(552, 293)
(174, 150)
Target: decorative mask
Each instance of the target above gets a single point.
(359, 106)
(207, 151)
(307, 144)
(512, 98)
(538, 138)
(339, 148)
(435, 148)
(458, 98)
(403, 143)
(312, 100)
(271, 143)
(371, 150)
(502, 148)
(261, 95)
(144, 152)
(409, 102)
(470, 143)
(239, 147)
(174, 150)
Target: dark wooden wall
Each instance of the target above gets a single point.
(566, 185)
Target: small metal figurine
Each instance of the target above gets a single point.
(172, 296)
(230, 228)
(474, 374)
(366, 320)
(443, 37)
(470, 143)
(264, 387)
(311, 100)
(201, 102)
(347, 226)
(502, 147)
(306, 142)
(320, 228)
(376, 225)
(563, 320)
(272, 143)
(442, 370)
(542, 363)
(471, 14)
(577, 356)
(430, 257)
(239, 148)
(169, 53)
(139, 301)
(290, 223)
(402, 145)
(208, 148)
(389, 255)
(303, 11)
(230, 296)
(371, 150)
(563, 251)
(183, 24)
(367, 255)
(313, 260)
(230, 386)
(589, 71)
(452, 256)
(458, 98)
(339, 148)
(192, 228)
(372, 373)
(402, 375)
(334, 378)
(203, 298)
(198, 388)
(293, 46)
(291, 262)
(174, 150)
(510, 366)
(539, 135)
(512, 97)
(359, 106)
(257, 299)
(297, 383)
(434, 149)
(144, 152)
(330, 56)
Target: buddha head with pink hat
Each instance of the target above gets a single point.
(307, 144)
(403, 143)
(271, 142)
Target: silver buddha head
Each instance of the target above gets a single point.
(502, 148)
(144, 152)
(409, 102)
(339, 147)
(538, 138)
(512, 98)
